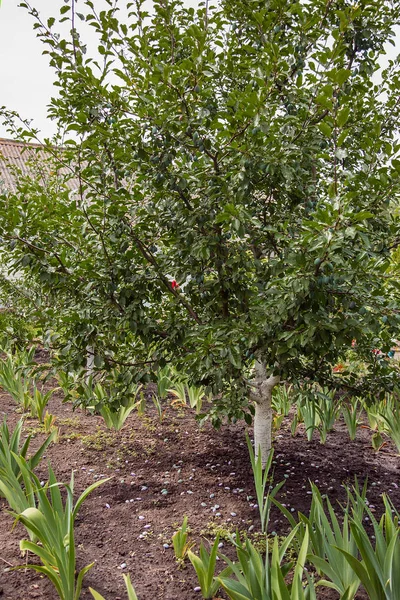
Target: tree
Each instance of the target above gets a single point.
(237, 173)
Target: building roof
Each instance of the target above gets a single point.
(25, 159)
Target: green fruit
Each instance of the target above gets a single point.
(317, 261)
(197, 89)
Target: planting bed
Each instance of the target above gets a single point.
(161, 472)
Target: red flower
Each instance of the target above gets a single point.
(174, 285)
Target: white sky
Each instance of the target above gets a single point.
(25, 77)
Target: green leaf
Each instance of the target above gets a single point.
(129, 587)
(342, 76)
(96, 595)
(343, 116)
(325, 129)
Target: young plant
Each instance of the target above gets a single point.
(379, 567)
(195, 395)
(352, 417)
(297, 419)
(163, 381)
(282, 399)
(116, 419)
(263, 579)
(180, 542)
(13, 381)
(52, 523)
(18, 490)
(10, 447)
(261, 479)
(391, 418)
(141, 404)
(328, 410)
(39, 401)
(68, 382)
(49, 422)
(129, 589)
(374, 415)
(204, 565)
(328, 537)
(159, 409)
(179, 393)
(310, 416)
(277, 421)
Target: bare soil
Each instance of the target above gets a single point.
(160, 472)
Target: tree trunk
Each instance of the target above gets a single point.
(262, 394)
(89, 361)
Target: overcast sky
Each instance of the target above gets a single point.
(25, 77)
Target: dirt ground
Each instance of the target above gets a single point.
(161, 472)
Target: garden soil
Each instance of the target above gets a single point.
(161, 471)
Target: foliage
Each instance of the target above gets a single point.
(379, 567)
(179, 393)
(68, 382)
(256, 579)
(204, 565)
(15, 380)
(183, 391)
(282, 399)
(112, 402)
(318, 409)
(18, 489)
(52, 523)
(115, 419)
(180, 542)
(163, 377)
(15, 330)
(39, 401)
(335, 546)
(196, 395)
(129, 589)
(390, 414)
(10, 446)
(225, 189)
(328, 408)
(49, 424)
(351, 412)
(261, 480)
(309, 414)
(328, 537)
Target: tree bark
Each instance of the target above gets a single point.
(89, 361)
(262, 394)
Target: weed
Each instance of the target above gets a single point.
(149, 425)
(73, 422)
(223, 530)
(100, 440)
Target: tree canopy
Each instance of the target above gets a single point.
(236, 175)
